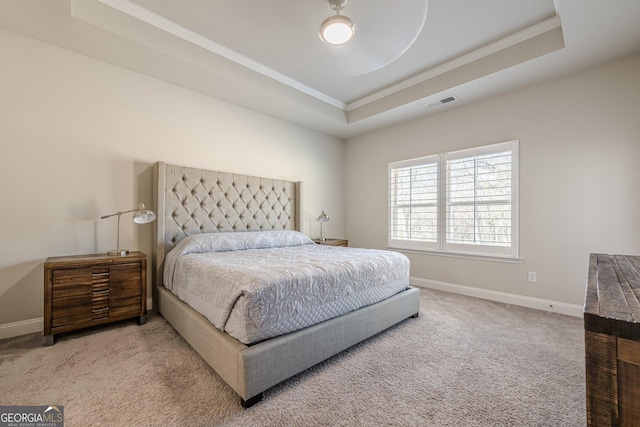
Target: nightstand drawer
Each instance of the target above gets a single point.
(124, 273)
(79, 312)
(74, 277)
(61, 305)
(75, 291)
(125, 307)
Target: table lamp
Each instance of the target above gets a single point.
(322, 218)
(142, 215)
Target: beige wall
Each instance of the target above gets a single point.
(79, 136)
(579, 178)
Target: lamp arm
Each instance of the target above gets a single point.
(118, 213)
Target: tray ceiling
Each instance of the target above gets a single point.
(268, 56)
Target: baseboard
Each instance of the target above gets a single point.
(31, 326)
(24, 327)
(521, 300)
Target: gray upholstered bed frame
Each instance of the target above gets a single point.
(189, 201)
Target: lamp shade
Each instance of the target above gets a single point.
(323, 217)
(143, 215)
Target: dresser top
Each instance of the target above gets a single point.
(102, 258)
(612, 301)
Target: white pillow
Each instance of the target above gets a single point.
(238, 241)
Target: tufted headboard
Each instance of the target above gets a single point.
(189, 201)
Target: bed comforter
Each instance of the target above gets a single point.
(258, 285)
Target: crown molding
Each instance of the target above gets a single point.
(504, 43)
(145, 15)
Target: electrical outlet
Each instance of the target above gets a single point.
(532, 276)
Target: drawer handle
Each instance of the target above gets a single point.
(100, 310)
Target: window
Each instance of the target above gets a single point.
(461, 202)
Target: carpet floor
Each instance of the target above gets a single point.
(463, 362)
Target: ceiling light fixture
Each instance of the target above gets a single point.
(337, 29)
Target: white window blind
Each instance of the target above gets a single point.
(414, 201)
(464, 201)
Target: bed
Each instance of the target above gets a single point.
(196, 205)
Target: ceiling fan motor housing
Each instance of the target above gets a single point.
(337, 5)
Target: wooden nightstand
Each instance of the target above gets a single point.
(332, 242)
(87, 290)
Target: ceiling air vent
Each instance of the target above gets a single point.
(442, 101)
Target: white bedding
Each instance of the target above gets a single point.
(257, 285)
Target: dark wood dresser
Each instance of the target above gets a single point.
(612, 340)
(88, 290)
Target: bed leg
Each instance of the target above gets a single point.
(415, 316)
(250, 401)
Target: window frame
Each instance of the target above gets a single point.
(441, 246)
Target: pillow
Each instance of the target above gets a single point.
(238, 241)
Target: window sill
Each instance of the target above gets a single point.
(482, 257)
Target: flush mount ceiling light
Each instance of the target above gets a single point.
(337, 29)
